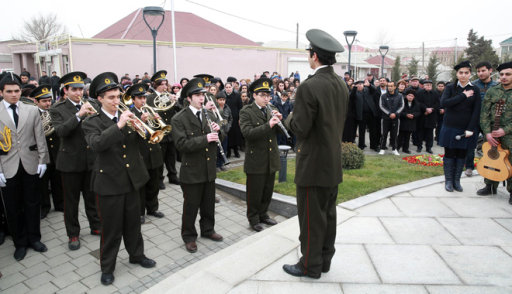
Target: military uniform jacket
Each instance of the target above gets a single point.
(317, 120)
(151, 153)
(492, 96)
(198, 157)
(119, 167)
(74, 153)
(261, 151)
(165, 115)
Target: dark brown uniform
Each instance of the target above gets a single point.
(261, 160)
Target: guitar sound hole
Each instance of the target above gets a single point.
(493, 154)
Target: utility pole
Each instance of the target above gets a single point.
(423, 55)
(297, 39)
(455, 58)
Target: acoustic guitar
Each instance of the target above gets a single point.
(494, 165)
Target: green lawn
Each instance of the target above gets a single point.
(379, 172)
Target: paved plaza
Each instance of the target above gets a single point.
(424, 240)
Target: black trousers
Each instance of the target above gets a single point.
(427, 135)
(23, 208)
(390, 126)
(369, 121)
(169, 156)
(350, 130)
(73, 184)
(198, 197)
(52, 179)
(120, 218)
(404, 137)
(259, 194)
(149, 192)
(316, 208)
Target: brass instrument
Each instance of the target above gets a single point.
(5, 139)
(141, 128)
(280, 124)
(222, 121)
(82, 99)
(163, 101)
(155, 121)
(219, 144)
(47, 123)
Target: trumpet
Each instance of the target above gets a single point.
(5, 139)
(222, 121)
(155, 121)
(47, 123)
(280, 124)
(91, 108)
(141, 128)
(219, 144)
(163, 101)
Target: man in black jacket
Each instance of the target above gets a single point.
(355, 112)
(429, 100)
(408, 118)
(391, 104)
(370, 116)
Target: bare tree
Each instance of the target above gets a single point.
(41, 27)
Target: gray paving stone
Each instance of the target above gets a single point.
(477, 207)
(16, 289)
(410, 264)
(468, 290)
(11, 280)
(436, 190)
(32, 258)
(362, 230)
(423, 207)
(382, 289)
(35, 282)
(384, 207)
(274, 272)
(11, 268)
(74, 289)
(298, 288)
(35, 270)
(479, 265)
(247, 287)
(477, 231)
(62, 269)
(66, 279)
(414, 230)
(505, 222)
(46, 288)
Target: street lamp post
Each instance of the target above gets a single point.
(383, 51)
(350, 34)
(153, 12)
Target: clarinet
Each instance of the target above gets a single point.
(280, 124)
(219, 144)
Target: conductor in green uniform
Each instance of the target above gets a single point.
(258, 124)
(317, 121)
(118, 174)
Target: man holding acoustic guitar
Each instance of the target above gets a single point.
(496, 124)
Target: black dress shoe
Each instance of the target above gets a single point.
(39, 247)
(294, 270)
(174, 181)
(156, 213)
(419, 149)
(44, 213)
(429, 151)
(487, 190)
(269, 222)
(326, 267)
(214, 237)
(237, 155)
(161, 185)
(20, 253)
(257, 227)
(406, 151)
(145, 262)
(191, 247)
(2, 237)
(107, 279)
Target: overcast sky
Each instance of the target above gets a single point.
(394, 23)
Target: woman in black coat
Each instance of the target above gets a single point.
(461, 101)
(408, 119)
(234, 101)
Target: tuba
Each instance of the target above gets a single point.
(163, 101)
(5, 139)
(47, 123)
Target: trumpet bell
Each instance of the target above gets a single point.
(156, 137)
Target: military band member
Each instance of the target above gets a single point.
(317, 120)
(43, 99)
(160, 83)
(258, 125)
(196, 141)
(23, 160)
(75, 158)
(119, 173)
(152, 155)
(503, 134)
